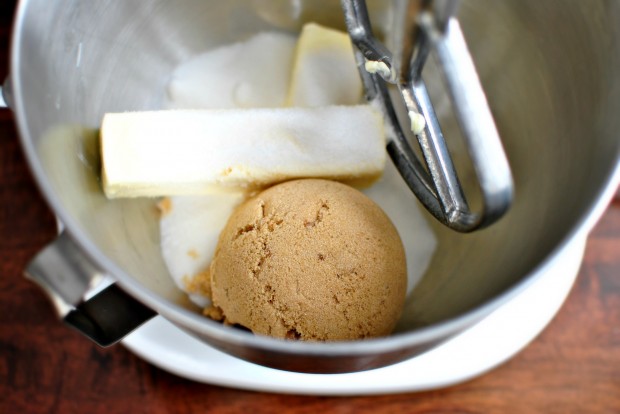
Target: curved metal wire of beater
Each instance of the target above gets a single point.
(439, 189)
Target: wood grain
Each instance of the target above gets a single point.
(573, 367)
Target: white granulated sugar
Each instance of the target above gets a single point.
(250, 74)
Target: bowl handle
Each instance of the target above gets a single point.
(66, 275)
(6, 96)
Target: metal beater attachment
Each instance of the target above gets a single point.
(426, 25)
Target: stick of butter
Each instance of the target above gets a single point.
(324, 69)
(176, 152)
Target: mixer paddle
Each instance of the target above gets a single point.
(426, 25)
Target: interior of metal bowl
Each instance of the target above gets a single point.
(551, 71)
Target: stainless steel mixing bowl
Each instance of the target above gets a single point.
(551, 71)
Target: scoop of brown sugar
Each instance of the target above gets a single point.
(309, 259)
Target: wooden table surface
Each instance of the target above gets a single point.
(572, 367)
